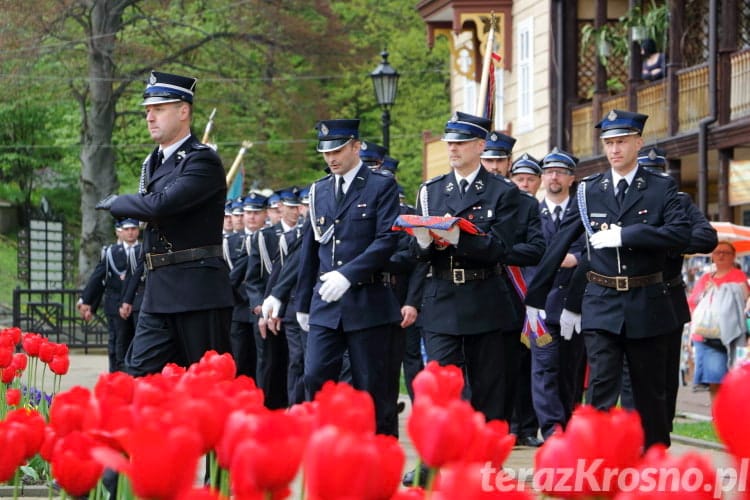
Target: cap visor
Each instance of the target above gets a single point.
(457, 137)
(525, 170)
(618, 132)
(493, 153)
(159, 100)
(332, 145)
(557, 164)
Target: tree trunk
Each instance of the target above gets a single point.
(98, 177)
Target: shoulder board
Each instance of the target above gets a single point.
(382, 174)
(435, 179)
(324, 178)
(592, 177)
(200, 145)
(657, 173)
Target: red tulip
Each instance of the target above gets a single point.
(345, 407)
(439, 383)
(441, 434)
(237, 427)
(470, 481)
(46, 350)
(340, 464)
(73, 410)
(6, 356)
(73, 465)
(202, 494)
(409, 494)
(31, 343)
(8, 374)
(588, 446)
(217, 366)
(13, 333)
(115, 385)
(690, 476)
(20, 361)
(12, 443)
(32, 424)
(61, 350)
(730, 411)
(13, 397)
(162, 462)
(59, 364)
(492, 444)
(257, 463)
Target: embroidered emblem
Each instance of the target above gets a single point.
(612, 115)
(479, 184)
(449, 187)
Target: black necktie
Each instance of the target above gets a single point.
(558, 216)
(340, 190)
(464, 185)
(158, 158)
(622, 186)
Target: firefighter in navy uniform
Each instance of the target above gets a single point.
(108, 281)
(467, 302)
(632, 217)
(264, 256)
(343, 255)
(528, 249)
(187, 303)
(244, 325)
(703, 239)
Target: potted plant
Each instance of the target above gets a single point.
(651, 22)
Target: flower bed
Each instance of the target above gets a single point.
(153, 431)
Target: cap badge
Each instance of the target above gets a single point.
(652, 154)
(612, 116)
(364, 146)
(323, 129)
(454, 118)
(493, 137)
(152, 79)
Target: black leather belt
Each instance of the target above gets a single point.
(154, 260)
(624, 283)
(460, 276)
(387, 279)
(675, 282)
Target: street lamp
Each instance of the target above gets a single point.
(385, 82)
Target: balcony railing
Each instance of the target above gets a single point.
(651, 98)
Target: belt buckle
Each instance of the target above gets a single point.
(149, 262)
(459, 276)
(622, 284)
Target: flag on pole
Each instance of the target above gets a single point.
(490, 101)
(235, 189)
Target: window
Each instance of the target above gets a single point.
(525, 75)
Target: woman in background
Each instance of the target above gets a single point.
(714, 356)
(653, 63)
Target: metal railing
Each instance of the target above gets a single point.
(53, 314)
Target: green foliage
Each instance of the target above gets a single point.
(655, 20)
(609, 40)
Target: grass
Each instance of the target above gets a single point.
(8, 269)
(696, 430)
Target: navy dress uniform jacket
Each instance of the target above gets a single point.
(703, 239)
(652, 222)
(107, 281)
(476, 306)
(184, 208)
(360, 248)
(556, 298)
(238, 254)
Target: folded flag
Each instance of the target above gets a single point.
(440, 227)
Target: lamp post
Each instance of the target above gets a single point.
(385, 82)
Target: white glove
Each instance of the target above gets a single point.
(570, 323)
(609, 238)
(532, 313)
(334, 286)
(270, 308)
(424, 238)
(451, 235)
(304, 321)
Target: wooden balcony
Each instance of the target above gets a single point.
(651, 99)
